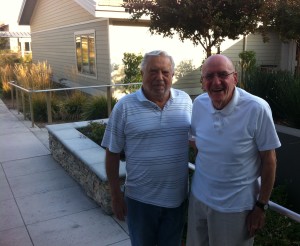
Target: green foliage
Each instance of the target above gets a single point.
(94, 131)
(281, 16)
(280, 89)
(183, 68)
(72, 107)
(132, 71)
(247, 63)
(248, 60)
(203, 22)
(4, 43)
(96, 108)
(279, 230)
(39, 106)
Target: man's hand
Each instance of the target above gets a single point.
(119, 207)
(255, 220)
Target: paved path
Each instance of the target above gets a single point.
(40, 204)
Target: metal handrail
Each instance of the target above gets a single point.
(48, 99)
(273, 206)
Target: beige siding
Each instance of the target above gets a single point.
(56, 13)
(266, 53)
(53, 26)
(57, 47)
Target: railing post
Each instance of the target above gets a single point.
(12, 95)
(108, 95)
(17, 99)
(49, 112)
(23, 104)
(31, 110)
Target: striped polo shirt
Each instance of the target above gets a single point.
(155, 142)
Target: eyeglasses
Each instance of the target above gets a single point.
(220, 75)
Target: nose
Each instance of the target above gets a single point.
(216, 79)
(160, 75)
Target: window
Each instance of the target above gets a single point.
(85, 52)
(27, 47)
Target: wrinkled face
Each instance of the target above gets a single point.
(219, 80)
(157, 78)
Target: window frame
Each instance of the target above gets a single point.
(80, 71)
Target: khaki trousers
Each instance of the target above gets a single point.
(208, 227)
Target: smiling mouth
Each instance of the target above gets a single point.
(217, 90)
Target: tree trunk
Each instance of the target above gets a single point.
(208, 52)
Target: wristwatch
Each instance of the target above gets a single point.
(263, 206)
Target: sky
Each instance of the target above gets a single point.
(9, 10)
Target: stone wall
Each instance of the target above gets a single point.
(95, 187)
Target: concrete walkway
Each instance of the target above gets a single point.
(40, 204)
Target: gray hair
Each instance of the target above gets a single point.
(156, 53)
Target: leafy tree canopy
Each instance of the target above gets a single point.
(282, 16)
(132, 71)
(204, 22)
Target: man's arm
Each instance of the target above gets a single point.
(112, 164)
(268, 173)
(256, 218)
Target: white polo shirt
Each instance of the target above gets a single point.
(155, 141)
(228, 141)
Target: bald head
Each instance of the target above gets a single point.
(219, 80)
(217, 59)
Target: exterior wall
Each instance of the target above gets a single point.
(288, 56)
(53, 41)
(57, 13)
(266, 53)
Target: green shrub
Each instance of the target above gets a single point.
(248, 60)
(289, 101)
(72, 107)
(39, 106)
(95, 131)
(278, 230)
(96, 108)
(281, 90)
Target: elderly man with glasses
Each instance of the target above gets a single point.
(236, 140)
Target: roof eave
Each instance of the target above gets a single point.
(26, 12)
